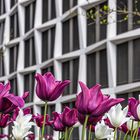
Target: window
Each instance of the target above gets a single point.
(68, 104)
(51, 108)
(1, 64)
(1, 31)
(70, 72)
(13, 58)
(48, 69)
(96, 24)
(48, 10)
(14, 86)
(122, 63)
(14, 27)
(136, 60)
(48, 42)
(2, 7)
(13, 2)
(68, 4)
(29, 83)
(127, 21)
(70, 35)
(29, 16)
(29, 56)
(125, 96)
(128, 65)
(97, 68)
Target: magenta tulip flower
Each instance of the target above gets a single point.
(69, 117)
(48, 88)
(93, 102)
(4, 120)
(3, 136)
(134, 108)
(57, 123)
(39, 120)
(9, 102)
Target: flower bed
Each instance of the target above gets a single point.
(99, 114)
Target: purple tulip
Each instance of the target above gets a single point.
(69, 117)
(134, 108)
(93, 102)
(9, 102)
(4, 120)
(57, 123)
(3, 136)
(39, 120)
(48, 89)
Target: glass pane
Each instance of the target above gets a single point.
(125, 96)
(91, 69)
(103, 68)
(66, 5)
(53, 10)
(27, 18)
(27, 53)
(136, 60)
(45, 10)
(122, 63)
(52, 41)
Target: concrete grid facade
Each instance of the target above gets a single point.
(76, 49)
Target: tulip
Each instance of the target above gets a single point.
(130, 126)
(4, 120)
(48, 88)
(57, 123)
(93, 102)
(117, 116)
(69, 117)
(22, 125)
(39, 120)
(9, 102)
(102, 131)
(3, 136)
(134, 108)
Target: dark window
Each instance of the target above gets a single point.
(96, 24)
(66, 36)
(13, 83)
(70, 39)
(75, 134)
(13, 2)
(2, 7)
(48, 10)
(29, 16)
(122, 63)
(68, 104)
(103, 68)
(29, 83)
(1, 31)
(91, 28)
(48, 40)
(48, 69)
(13, 58)
(1, 64)
(136, 60)
(91, 69)
(70, 72)
(136, 18)
(14, 27)
(136, 94)
(51, 108)
(29, 56)
(67, 4)
(97, 68)
(122, 18)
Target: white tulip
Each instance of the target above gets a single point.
(102, 131)
(22, 126)
(129, 124)
(117, 116)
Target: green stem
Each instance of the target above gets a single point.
(43, 127)
(115, 133)
(71, 129)
(120, 135)
(84, 127)
(59, 135)
(66, 133)
(137, 131)
(132, 129)
(125, 137)
(89, 133)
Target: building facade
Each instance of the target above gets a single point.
(57, 36)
